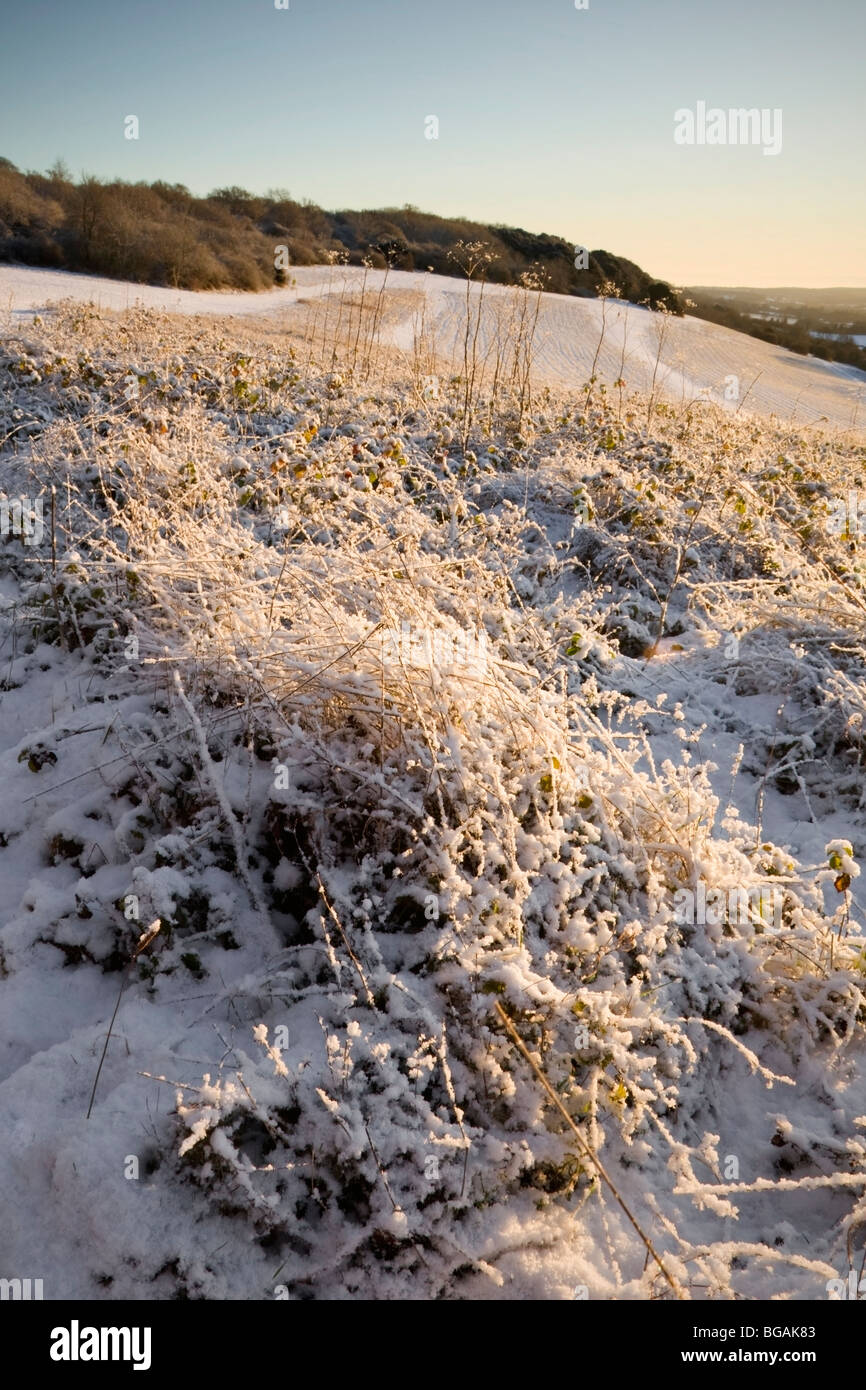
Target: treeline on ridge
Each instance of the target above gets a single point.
(160, 233)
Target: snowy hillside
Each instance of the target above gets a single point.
(487, 743)
(684, 359)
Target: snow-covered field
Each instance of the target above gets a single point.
(493, 767)
(687, 359)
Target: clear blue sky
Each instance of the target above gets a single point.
(550, 118)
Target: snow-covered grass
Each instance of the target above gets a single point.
(698, 361)
(416, 727)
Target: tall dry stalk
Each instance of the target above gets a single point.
(373, 335)
(367, 267)
(662, 327)
(473, 258)
(607, 290)
(531, 283)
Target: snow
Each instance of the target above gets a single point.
(697, 361)
(357, 856)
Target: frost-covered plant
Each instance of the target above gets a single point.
(398, 849)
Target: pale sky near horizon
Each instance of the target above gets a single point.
(550, 118)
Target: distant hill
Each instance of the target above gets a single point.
(826, 323)
(162, 234)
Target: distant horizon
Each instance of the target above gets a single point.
(793, 288)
